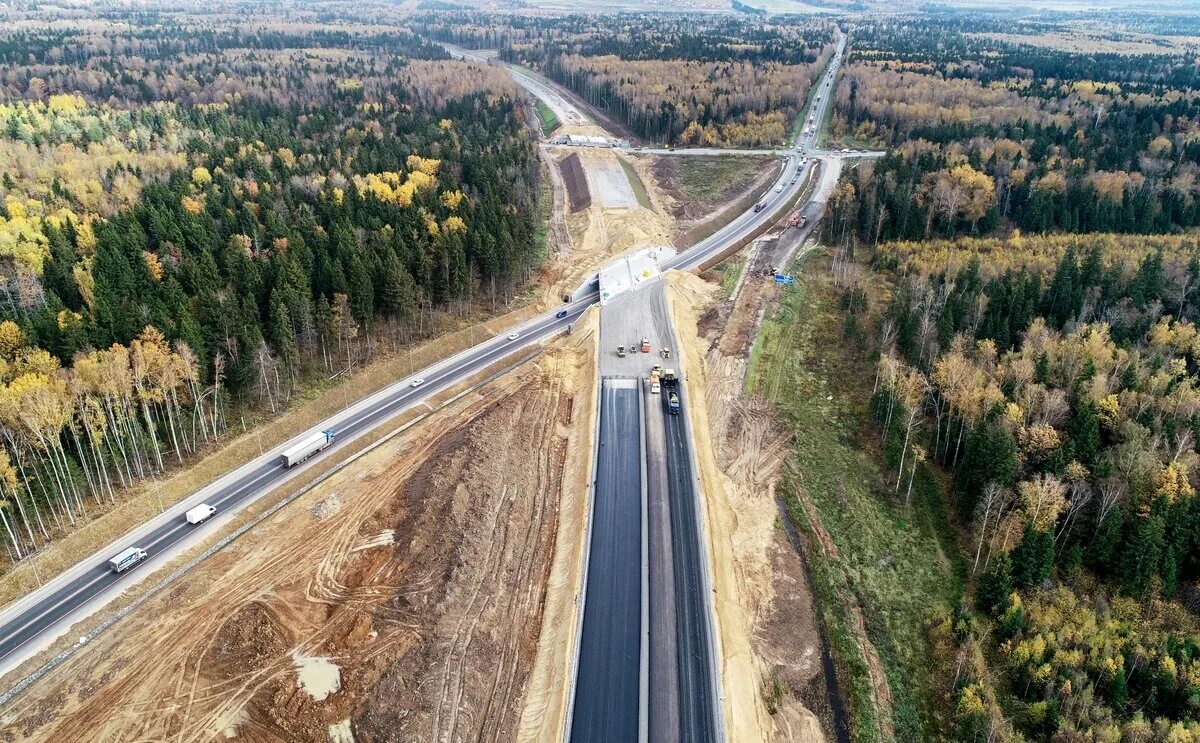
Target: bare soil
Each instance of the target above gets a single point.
(401, 600)
(576, 182)
(705, 193)
(560, 242)
(600, 233)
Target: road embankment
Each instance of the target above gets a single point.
(766, 635)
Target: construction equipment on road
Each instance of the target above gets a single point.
(620, 352)
(798, 220)
(126, 559)
(665, 352)
(645, 344)
(309, 446)
(673, 403)
(669, 380)
(199, 514)
(655, 385)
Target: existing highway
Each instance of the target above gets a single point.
(39, 615)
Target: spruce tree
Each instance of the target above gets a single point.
(1033, 559)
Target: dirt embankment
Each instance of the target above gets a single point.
(401, 600)
(705, 193)
(769, 642)
(576, 182)
(599, 232)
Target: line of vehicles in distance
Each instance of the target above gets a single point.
(661, 379)
(131, 556)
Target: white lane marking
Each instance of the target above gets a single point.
(49, 609)
(84, 587)
(401, 397)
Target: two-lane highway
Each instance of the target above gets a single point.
(53, 604)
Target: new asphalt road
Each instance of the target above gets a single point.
(607, 685)
(697, 702)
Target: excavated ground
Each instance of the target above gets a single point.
(401, 600)
(600, 232)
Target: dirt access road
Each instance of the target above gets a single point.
(402, 600)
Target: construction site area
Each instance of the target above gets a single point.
(770, 657)
(424, 593)
(428, 590)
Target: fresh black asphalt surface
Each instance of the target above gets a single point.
(663, 701)
(697, 713)
(607, 683)
(23, 628)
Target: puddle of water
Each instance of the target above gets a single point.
(318, 676)
(340, 732)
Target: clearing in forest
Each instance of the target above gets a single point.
(608, 181)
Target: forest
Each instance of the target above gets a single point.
(1007, 134)
(1036, 351)
(201, 223)
(690, 80)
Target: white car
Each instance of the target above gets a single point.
(845, 149)
(416, 382)
(513, 336)
(779, 188)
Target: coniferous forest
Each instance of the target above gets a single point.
(201, 214)
(679, 80)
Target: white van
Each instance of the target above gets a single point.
(126, 559)
(199, 514)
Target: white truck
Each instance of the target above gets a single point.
(199, 514)
(126, 559)
(307, 447)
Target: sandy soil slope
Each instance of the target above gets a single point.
(402, 600)
(600, 233)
